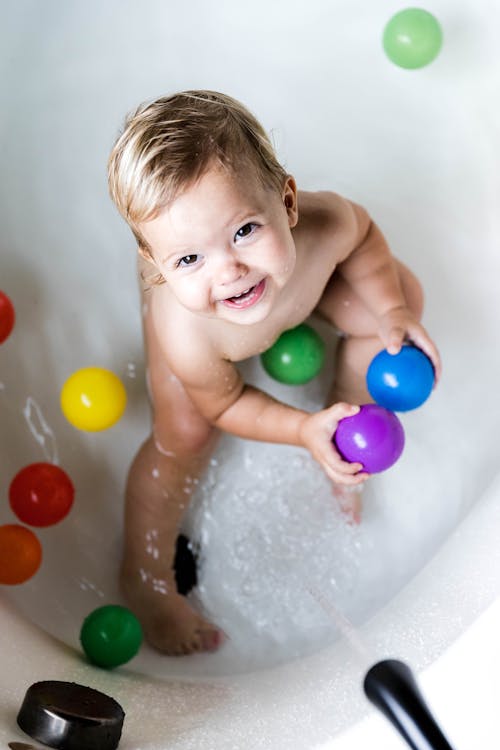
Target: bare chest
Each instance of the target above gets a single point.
(296, 305)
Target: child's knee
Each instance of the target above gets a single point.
(183, 436)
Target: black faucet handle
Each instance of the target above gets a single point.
(391, 687)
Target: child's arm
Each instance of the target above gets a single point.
(257, 416)
(218, 391)
(370, 269)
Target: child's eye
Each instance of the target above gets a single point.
(187, 260)
(246, 230)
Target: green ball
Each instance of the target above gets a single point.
(110, 636)
(296, 357)
(412, 38)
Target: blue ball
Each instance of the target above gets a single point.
(400, 382)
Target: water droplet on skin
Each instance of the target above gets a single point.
(158, 585)
(162, 450)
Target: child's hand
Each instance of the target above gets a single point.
(400, 325)
(316, 434)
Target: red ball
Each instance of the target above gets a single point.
(7, 317)
(41, 494)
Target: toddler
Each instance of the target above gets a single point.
(231, 254)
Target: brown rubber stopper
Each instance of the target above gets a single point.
(71, 717)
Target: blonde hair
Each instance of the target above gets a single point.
(168, 144)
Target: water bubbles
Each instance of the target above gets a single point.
(250, 587)
(267, 524)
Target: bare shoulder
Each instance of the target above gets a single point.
(183, 338)
(331, 218)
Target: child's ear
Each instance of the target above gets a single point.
(290, 200)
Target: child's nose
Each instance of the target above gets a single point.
(230, 269)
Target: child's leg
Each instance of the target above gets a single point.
(161, 480)
(345, 310)
(359, 344)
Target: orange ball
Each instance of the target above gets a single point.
(20, 554)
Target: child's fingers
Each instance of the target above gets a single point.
(334, 465)
(336, 462)
(319, 434)
(428, 348)
(420, 338)
(346, 479)
(340, 411)
(343, 471)
(395, 339)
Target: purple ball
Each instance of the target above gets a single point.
(374, 437)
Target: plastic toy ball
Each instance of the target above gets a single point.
(374, 437)
(296, 357)
(93, 399)
(110, 636)
(7, 317)
(41, 494)
(412, 38)
(402, 381)
(20, 554)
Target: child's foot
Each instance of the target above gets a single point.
(349, 500)
(169, 623)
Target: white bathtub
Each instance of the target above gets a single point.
(419, 149)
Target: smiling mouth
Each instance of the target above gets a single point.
(247, 298)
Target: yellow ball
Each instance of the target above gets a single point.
(93, 399)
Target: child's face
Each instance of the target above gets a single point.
(224, 246)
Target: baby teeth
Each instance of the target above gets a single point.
(242, 293)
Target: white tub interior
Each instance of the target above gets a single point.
(417, 148)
